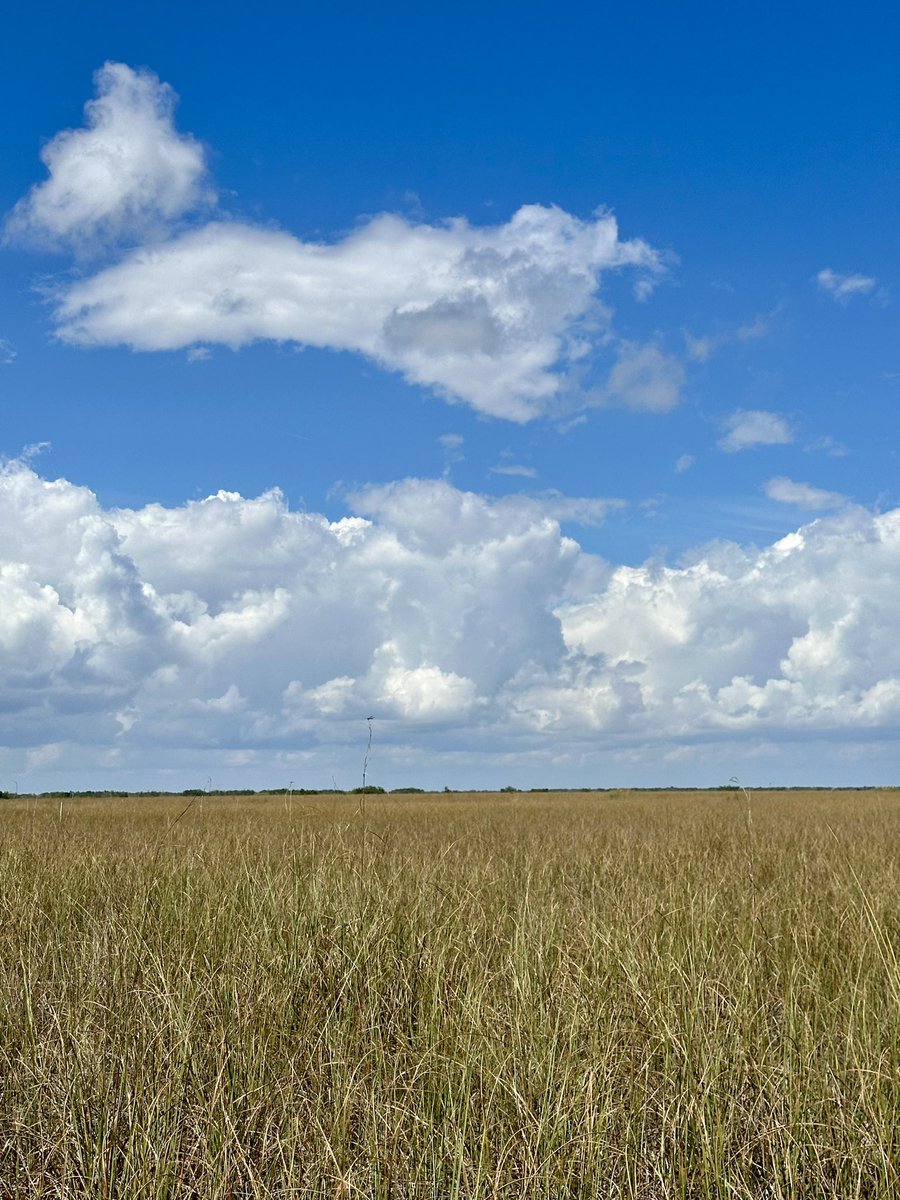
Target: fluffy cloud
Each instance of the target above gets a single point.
(505, 318)
(844, 287)
(126, 174)
(754, 427)
(799, 635)
(485, 315)
(803, 495)
(231, 628)
(239, 620)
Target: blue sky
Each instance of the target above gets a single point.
(526, 377)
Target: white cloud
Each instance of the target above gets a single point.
(467, 625)
(423, 693)
(452, 446)
(238, 619)
(803, 495)
(798, 635)
(126, 174)
(844, 287)
(34, 450)
(754, 427)
(802, 634)
(683, 463)
(484, 315)
(505, 318)
(515, 469)
(7, 352)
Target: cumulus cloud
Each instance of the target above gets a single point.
(238, 619)
(126, 174)
(486, 315)
(803, 495)
(505, 318)
(754, 427)
(238, 627)
(845, 287)
(798, 635)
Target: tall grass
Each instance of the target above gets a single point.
(562, 995)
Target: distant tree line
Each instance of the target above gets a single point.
(373, 790)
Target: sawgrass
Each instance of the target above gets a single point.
(556, 995)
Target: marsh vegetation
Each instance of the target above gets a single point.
(467, 996)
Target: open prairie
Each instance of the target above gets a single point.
(606, 995)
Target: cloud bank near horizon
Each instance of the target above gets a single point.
(237, 627)
(505, 318)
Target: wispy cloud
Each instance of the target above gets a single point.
(702, 348)
(34, 450)
(827, 445)
(644, 377)
(452, 446)
(7, 352)
(844, 287)
(515, 469)
(802, 495)
(747, 428)
(579, 510)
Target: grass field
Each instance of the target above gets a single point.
(525, 995)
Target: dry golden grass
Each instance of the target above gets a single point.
(526, 995)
